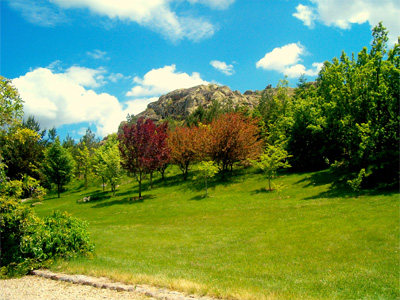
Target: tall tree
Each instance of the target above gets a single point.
(11, 105)
(233, 138)
(58, 165)
(158, 153)
(90, 140)
(138, 147)
(186, 146)
(84, 161)
(52, 135)
(107, 162)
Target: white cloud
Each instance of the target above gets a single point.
(286, 61)
(344, 13)
(115, 77)
(163, 80)
(154, 14)
(281, 57)
(305, 14)
(34, 11)
(57, 99)
(136, 106)
(92, 78)
(217, 4)
(98, 54)
(298, 69)
(222, 67)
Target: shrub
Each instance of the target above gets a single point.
(28, 242)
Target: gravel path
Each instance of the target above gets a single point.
(47, 285)
(39, 288)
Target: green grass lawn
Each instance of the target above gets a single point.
(313, 240)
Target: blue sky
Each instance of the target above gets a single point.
(80, 63)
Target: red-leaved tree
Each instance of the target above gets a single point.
(143, 148)
(186, 146)
(233, 138)
(158, 152)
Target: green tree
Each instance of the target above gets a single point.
(52, 135)
(207, 169)
(306, 136)
(107, 162)
(58, 165)
(361, 102)
(32, 123)
(11, 112)
(22, 152)
(273, 158)
(84, 161)
(275, 108)
(90, 140)
(11, 105)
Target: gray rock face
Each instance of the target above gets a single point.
(180, 103)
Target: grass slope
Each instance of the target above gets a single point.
(311, 241)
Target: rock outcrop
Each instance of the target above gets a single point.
(180, 103)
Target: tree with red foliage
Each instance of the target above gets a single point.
(158, 153)
(186, 146)
(143, 148)
(233, 138)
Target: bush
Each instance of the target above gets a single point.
(28, 242)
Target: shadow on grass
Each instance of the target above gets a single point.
(198, 198)
(338, 186)
(126, 200)
(263, 191)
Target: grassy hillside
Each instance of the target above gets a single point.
(310, 241)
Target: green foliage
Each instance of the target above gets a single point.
(29, 242)
(273, 158)
(58, 165)
(355, 183)
(350, 114)
(11, 105)
(306, 137)
(89, 140)
(275, 108)
(207, 169)
(107, 162)
(22, 151)
(28, 187)
(84, 161)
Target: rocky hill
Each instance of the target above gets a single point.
(180, 103)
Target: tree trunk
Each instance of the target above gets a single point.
(162, 172)
(185, 172)
(151, 180)
(58, 190)
(140, 186)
